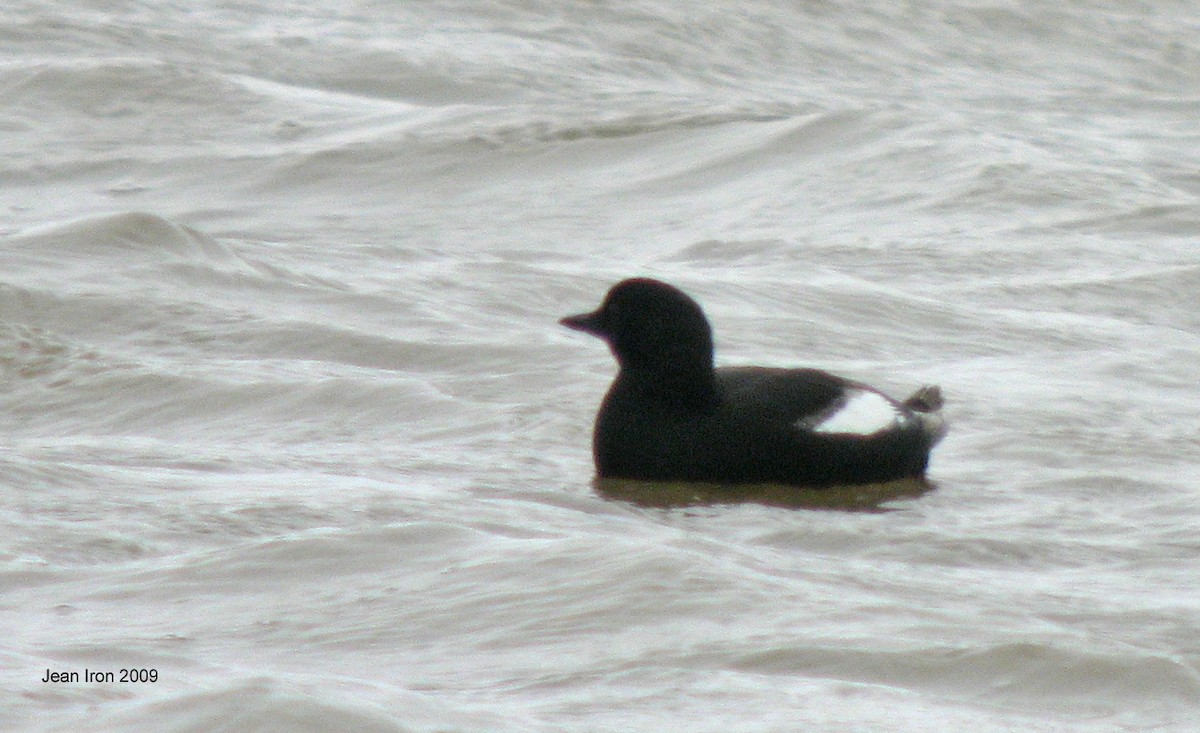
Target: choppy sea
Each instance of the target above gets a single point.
(291, 440)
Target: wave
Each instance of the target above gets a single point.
(114, 236)
(1019, 673)
(262, 704)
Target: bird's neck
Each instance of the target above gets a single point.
(692, 388)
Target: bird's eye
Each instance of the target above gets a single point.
(611, 312)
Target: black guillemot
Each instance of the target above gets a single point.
(671, 416)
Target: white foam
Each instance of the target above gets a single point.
(863, 413)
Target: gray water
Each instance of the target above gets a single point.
(286, 416)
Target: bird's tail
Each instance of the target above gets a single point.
(926, 404)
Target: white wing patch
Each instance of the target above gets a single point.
(861, 412)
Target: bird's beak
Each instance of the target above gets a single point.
(586, 322)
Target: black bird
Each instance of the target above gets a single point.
(671, 416)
